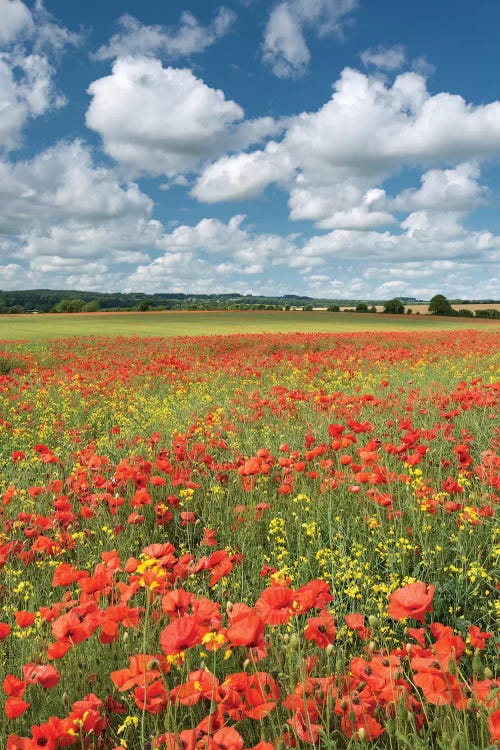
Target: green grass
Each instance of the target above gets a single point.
(183, 323)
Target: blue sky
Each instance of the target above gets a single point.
(337, 148)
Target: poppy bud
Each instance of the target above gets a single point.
(329, 649)
(294, 640)
(477, 664)
(373, 621)
(371, 647)
(488, 674)
(362, 733)
(246, 663)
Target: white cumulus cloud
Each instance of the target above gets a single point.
(16, 21)
(284, 47)
(166, 120)
(189, 37)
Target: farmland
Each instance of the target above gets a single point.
(253, 540)
(183, 323)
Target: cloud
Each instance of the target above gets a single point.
(66, 221)
(333, 159)
(17, 21)
(63, 182)
(215, 255)
(182, 120)
(454, 189)
(385, 58)
(242, 176)
(284, 47)
(27, 89)
(189, 37)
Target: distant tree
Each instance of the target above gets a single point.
(394, 307)
(307, 308)
(91, 306)
(145, 305)
(489, 313)
(439, 305)
(361, 307)
(464, 312)
(69, 306)
(333, 308)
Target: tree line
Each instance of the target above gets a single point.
(66, 301)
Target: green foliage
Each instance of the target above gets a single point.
(69, 306)
(394, 307)
(439, 305)
(362, 307)
(490, 314)
(93, 306)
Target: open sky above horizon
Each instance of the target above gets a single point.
(333, 148)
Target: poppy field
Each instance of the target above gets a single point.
(245, 541)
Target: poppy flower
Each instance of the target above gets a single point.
(220, 565)
(4, 630)
(356, 622)
(24, 619)
(227, 738)
(15, 706)
(13, 686)
(275, 604)
(182, 633)
(321, 629)
(45, 735)
(41, 674)
(413, 600)
(247, 630)
(69, 628)
(494, 725)
(477, 638)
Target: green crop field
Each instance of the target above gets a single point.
(182, 323)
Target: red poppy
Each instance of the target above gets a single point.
(180, 634)
(4, 630)
(15, 706)
(477, 638)
(24, 619)
(227, 738)
(13, 686)
(494, 725)
(356, 622)
(70, 628)
(41, 674)
(200, 684)
(220, 565)
(275, 604)
(176, 603)
(44, 735)
(413, 600)
(151, 698)
(247, 630)
(321, 629)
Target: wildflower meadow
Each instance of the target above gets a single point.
(250, 541)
